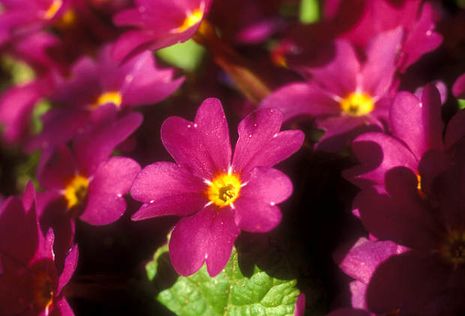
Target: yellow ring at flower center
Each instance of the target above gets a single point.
(224, 190)
(357, 104)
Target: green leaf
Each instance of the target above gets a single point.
(309, 11)
(20, 71)
(186, 56)
(461, 104)
(231, 293)
(151, 268)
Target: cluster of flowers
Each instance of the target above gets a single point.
(352, 63)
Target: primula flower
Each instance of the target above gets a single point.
(429, 278)
(417, 128)
(90, 181)
(157, 24)
(360, 21)
(98, 84)
(411, 196)
(216, 196)
(345, 96)
(30, 281)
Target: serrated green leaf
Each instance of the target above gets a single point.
(231, 293)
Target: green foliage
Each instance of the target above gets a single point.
(186, 56)
(20, 71)
(229, 293)
(461, 104)
(309, 11)
(151, 268)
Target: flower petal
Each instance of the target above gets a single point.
(207, 236)
(408, 282)
(399, 214)
(70, 265)
(382, 53)
(167, 189)
(339, 76)
(112, 180)
(301, 99)
(458, 89)
(260, 143)
(418, 122)
(255, 209)
(203, 146)
(95, 146)
(378, 153)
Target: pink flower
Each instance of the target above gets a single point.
(346, 96)
(87, 178)
(416, 141)
(360, 20)
(216, 195)
(100, 86)
(31, 282)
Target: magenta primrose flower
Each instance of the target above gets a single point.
(360, 20)
(216, 196)
(428, 278)
(30, 281)
(96, 85)
(87, 178)
(346, 96)
(416, 143)
(157, 24)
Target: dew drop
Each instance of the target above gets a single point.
(250, 135)
(119, 195)
(151, 201)
(189, 126)
(195, 125)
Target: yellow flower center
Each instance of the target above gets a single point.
(76, 191)
(53, 9)
(357, 104)
(192, 18)
(224, 189)
(110, 97)
(453, 248)
(67, 19)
